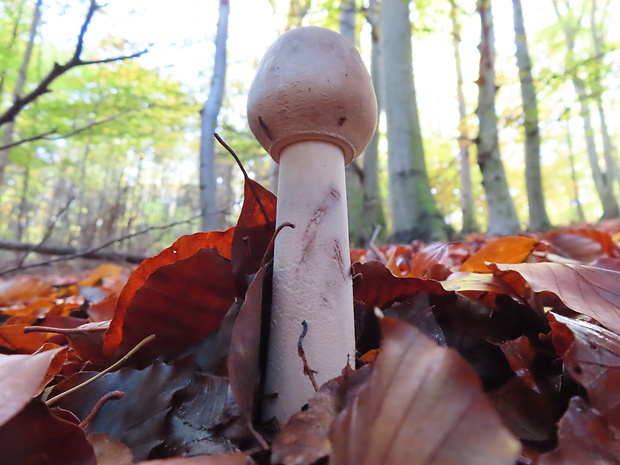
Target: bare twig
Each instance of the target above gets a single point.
(46, 135)
(302, 354)
(112, 367)
(87, 252)
(19, 103)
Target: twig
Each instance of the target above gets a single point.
(302, 354)
(19, 103)
(46, 135)
(97, 248)
(245, 175)
(112, 367)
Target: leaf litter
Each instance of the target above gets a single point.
(492, 350)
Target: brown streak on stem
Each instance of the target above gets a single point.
(99, 404)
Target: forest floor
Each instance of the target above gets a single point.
(486, 351)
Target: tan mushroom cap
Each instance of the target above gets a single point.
(312, 85)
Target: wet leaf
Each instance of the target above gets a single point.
(504, 250)
(36, 436)
(23, 377)
(421, 405)
(591, 291)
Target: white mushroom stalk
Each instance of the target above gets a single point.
(313, 108)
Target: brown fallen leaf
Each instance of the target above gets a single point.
(110, 451)
(421, 405)
(585, 438)
(22, 377)
(238, 458)
(591, 291)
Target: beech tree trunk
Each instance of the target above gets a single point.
(9, 129)
(602, 182)
(539, 220)
(467, 196)
(209, 113)
(501, 213)
(413, 209)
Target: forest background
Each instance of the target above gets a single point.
(113, 149)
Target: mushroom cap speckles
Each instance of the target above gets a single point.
(312, 85)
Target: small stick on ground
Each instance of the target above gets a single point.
(300, 351)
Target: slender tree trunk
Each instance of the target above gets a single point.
(581, 217)
(10, 45)
(413, 208)
(373, 209)
(502, 216)
(601, 180)
(22, 216)
(7, 136)
(209, 114)
(467, 195)
(539, 220)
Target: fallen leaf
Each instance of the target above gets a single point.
(183, 248)
(14, 340)
(180, 303)
(584, 438)
(36, 436)
(514, 249)
(22, 289)
(23, 377)
(238, 458)
(591, 355)
(421, 405)
(591, 291)
(108, 451)
(138, 419)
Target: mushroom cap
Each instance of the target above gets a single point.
(312, 85)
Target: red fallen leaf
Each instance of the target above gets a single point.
(591, 291)
(520, 355)
(254, 231)
(183, 248)
(138, 419)
(13, 339)
(104, 309)
(36, 436)
(584, 438)
(608, 263)
(243, 358)
(238, 458)
(180, 303)
(23, 377)
(576, 246)
(108, 451)
(422, 404)
(573, 247)
(591, 355)
(378, 287)
(504, 250)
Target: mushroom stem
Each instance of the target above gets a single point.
(311, 276)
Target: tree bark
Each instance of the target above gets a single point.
(413, 209)
(209, 114)
(539, 220)
(467, 196)
(7, 136)
(501, 213)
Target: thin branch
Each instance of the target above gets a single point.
(245, 175)
(45, 135)
(57, 70)
(87, 252)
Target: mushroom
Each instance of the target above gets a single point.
(312, 107)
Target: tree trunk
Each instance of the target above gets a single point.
(7, 136)
(467, 195)
(581, 217)
(209, 114)
(372, 205)
(539, 220)
(9, 47)
(413, 209)
(501, 213)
